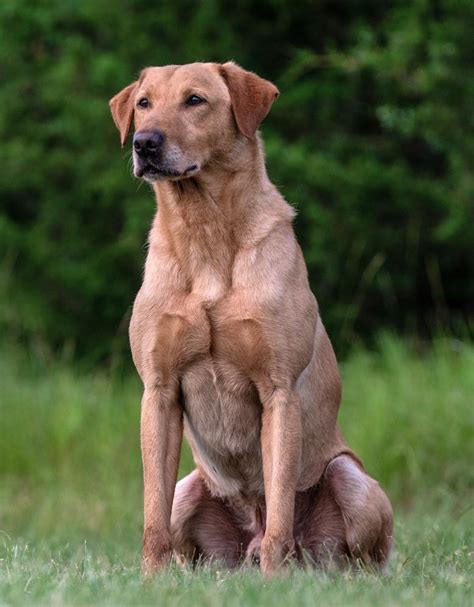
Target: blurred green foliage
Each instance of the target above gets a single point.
(70, 448)
(370, 141)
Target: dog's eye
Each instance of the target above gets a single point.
(143, 102)
(194, 100)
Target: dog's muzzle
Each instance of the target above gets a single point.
(150, 160)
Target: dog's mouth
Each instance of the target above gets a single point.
(153, 172)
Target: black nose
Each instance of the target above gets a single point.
(147, 142)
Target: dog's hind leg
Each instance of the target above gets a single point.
(365, 509)
(203, 526)
(351, 517)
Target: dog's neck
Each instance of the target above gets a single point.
(204, 220)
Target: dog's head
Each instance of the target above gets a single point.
(188, 116)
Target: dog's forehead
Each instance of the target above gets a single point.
(204, 76)
(157, 74)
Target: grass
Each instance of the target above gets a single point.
(70, 486)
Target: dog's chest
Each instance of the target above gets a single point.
(212, 324)
(222, 425)
(214, 347)
(218, 383)
(221, 403)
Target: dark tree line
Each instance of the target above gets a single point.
(371, 140)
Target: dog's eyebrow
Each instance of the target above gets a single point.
(141, 78)
(195, 88)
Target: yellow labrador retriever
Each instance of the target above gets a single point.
(228, 341)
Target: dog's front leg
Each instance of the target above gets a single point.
(161, 435)
(281, 453)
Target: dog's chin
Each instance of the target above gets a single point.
(151, 173)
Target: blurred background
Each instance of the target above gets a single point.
(372, 142)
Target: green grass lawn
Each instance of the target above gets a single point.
(70, 487)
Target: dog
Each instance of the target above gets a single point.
(229, 344)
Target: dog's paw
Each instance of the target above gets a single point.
(153, 563)
(252, 554)
(157, 552)
(274, 553)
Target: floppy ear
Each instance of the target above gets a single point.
(121, 107)
(251, 97)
